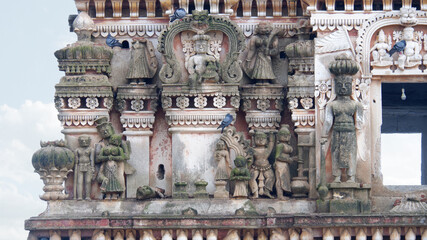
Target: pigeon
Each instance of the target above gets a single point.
(227, 120)
(398, 47)
(178, 14)
(112, 42)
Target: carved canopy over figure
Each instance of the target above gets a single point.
(260, 48)
(343, 115)
(143, 63)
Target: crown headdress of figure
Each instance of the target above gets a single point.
(201, 36)
(343, 65)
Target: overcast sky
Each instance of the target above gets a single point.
(32, 31)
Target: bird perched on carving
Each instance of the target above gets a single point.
(178, 14)
(112, 42)
(398, 47)
(227, 121)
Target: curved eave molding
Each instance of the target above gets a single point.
(370, 27)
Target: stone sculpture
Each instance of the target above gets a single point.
(240, 175)
(411, 56)
(53, 162)
(147, 192)
(109, 174)
(262, 175)
(380, 49)
(143, 63)
(343, 115)
(84, 168)
(202, 66)
(261, 47)
(282, 161)
(222, 156)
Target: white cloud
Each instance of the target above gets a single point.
(21, 130)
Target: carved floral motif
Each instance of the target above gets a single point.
(263, 104)
(200, 101)
(182, 102)
(74, 102)
(219, 101)
(166, 102)
(137, 105)
(92, 103)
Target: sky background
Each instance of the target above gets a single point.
(32, 31)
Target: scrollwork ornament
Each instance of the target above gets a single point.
(307, 103)
(247, 104)
(74, 102)
(235, 102)
(92, 102)
(182, 102)
(120, 105)
(166, 102)
(59, 103)
(279, 104)
(219, 101)
(263, 104)
(200, 101)
(137, 105)
(293, 103)
(108, 103)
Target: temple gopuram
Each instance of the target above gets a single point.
(234, 120)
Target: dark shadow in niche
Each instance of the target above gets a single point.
(125, 44)
(160, 172)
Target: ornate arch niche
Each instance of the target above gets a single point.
(233, 42)
(389, 23)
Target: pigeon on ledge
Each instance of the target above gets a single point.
(398, 47)
(227, 120)
(178, 14)
(112, 42)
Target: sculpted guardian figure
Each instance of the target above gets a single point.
(240, 175)
(343, 115)
(262, 176)
(143, 63)
(202, 66)
(109, 174)
(84, 168)
(261, 47)
(282, 161)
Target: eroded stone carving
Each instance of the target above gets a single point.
(380, 50)
(222, 156)
(110, 174)
(240, 175)
(84, 168)
(143, 63)
(411, 56)
(262, 175)
(53, 162)
(282, 161)
(147, 192)
(344, 115)
(261, 47)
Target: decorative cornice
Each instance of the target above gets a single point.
(140, 120)
(195, 117)
(129, 29)
(270, 91)
(327, 21)
(80, 117)
(269, 119)
(303, 118)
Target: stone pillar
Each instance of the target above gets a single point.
(263, 104)
(193, 119)
(137, 104)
